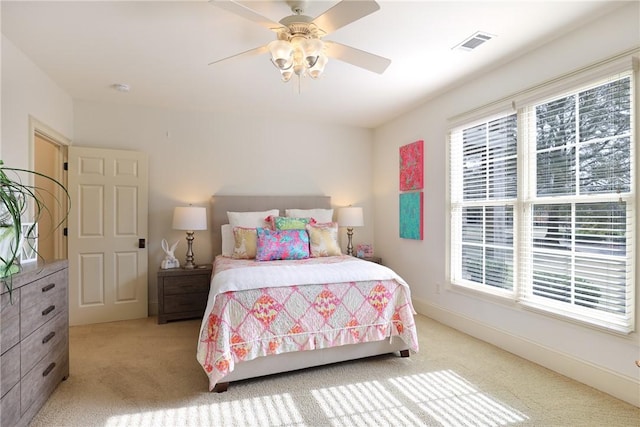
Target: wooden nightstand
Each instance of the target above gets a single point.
(182, 294)
(375, 259)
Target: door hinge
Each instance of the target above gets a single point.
(65, 166)
(65, 231)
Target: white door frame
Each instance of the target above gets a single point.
(58, 139)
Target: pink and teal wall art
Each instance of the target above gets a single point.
(411, 214)
(411, 178)
(412, 166)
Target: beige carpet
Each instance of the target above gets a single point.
(138, 373)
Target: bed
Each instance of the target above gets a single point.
(268, 315)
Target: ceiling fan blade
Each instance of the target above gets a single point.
(357, 57)
(245, 12)
(250, 52)
(343, 13)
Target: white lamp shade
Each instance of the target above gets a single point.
(350, 217)
(190, 218)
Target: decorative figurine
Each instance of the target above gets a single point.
(170, 260)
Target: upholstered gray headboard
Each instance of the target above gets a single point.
(220, 205)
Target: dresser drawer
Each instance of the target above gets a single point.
(38, 384)
(41, 301)
(42, 341)
(42, 289)
(9, 369)
(10, 407)
(186, 284)
(10, 323)
(185, 303)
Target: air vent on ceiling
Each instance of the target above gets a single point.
(474, 41)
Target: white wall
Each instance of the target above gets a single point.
(194, 155)
(603, 360)
(28, 92)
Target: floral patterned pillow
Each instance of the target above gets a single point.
(245, 243)
(281, 244)
(323, 239)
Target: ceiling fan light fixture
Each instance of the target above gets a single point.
(318, 68)
(299, 55)
(286, 75)
(312, 51)
(281, 53)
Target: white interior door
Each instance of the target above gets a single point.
(108, 219)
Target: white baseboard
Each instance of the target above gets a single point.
(619, 386)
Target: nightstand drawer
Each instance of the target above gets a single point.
(183, 293)
(186, 303)
(186, 284)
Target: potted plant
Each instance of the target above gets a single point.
(15, 199)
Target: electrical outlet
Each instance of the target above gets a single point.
(438, 288)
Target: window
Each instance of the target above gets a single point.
(485, 200)
(542, 204)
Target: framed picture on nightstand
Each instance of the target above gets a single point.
(364, 250)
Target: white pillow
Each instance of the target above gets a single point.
(320, 215)
(250, 219)
(228, 240)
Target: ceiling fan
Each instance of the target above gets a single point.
(299, 48)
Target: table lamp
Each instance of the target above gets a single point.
(350, 217)
(190, 218)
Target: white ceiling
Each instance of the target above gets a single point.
(161, 49)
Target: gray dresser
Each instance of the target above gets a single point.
(34, 340)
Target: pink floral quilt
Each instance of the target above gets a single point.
(243, 321)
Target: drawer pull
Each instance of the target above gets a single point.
(49, 287)
(49, 369)
(48, 310)
(48, 337)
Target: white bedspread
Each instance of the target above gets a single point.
(283, 274)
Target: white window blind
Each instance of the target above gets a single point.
(484, 190)
(555, 227)
(579, 234)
